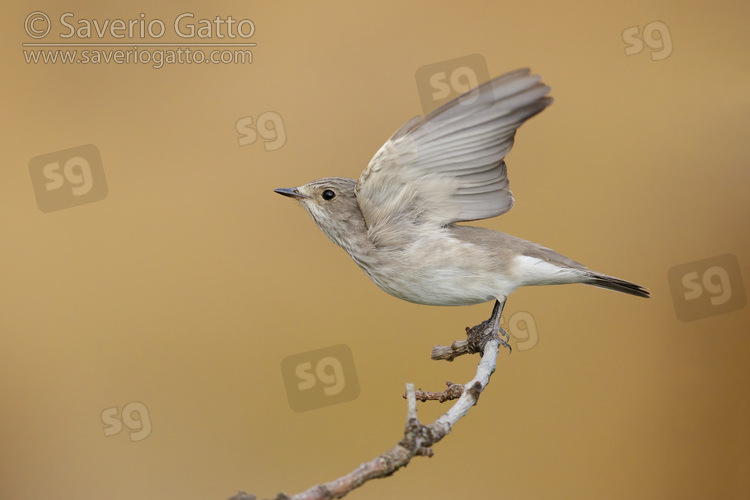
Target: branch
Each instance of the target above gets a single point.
(476, 338)
(418, 438)
(453, 391)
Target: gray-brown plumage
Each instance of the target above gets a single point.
(399, 220)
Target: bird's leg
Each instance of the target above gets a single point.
(480, 334)
(477, 337)
(497, 311)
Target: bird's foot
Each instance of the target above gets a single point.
(479, 335)
(476, 337)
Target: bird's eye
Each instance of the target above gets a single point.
(328, 194)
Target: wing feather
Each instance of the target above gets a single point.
(449, 166)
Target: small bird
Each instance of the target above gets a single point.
(399, 221)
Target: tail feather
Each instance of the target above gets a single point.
(612, 283)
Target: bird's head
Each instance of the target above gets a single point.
(332, 204)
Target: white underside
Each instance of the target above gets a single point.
(533, 271)
(448, 284)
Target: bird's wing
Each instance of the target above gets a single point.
(449, 166)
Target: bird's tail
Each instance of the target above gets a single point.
(612, 283)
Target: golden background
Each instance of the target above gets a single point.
(186, 286)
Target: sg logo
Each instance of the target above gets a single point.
(522, 327)
(274, 137)
(134, 416)
(707, 287)
(320, 378)
(68, 178)
(661, 46)
(441, 82)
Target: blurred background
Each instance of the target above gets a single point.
(171, 328)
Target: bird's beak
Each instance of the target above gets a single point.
(291, 192)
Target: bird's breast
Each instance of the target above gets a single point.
(437, 269)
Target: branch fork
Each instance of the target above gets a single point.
(419, 438)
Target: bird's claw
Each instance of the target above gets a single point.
(504, 338)
(479, 335)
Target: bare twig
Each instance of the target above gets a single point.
(453, 391)
(451, 352)
(418, 438)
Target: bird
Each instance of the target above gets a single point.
(403, 220)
